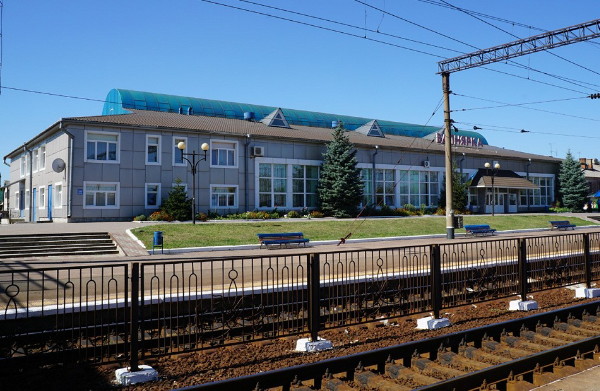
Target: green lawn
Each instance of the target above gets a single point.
(244, 232)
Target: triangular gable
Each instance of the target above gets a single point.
(371, 129)
(277, 119)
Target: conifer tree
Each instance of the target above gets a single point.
(572, 184)
(460, 192)
(340, 187)
(177, 204)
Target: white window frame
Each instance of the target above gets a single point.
(176, 140)
(35, 159)
(158, 196)
(17, 200)
(235, 195)
(42, 163)
(184, 185)
(236, 150)
(118, 151)
(158, 149)
(42, 197)
(56, 200)
(117, 195)
(23, 165)
(289, 178)
(27, 199)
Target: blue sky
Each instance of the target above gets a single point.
(199, 49)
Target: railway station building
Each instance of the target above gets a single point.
(124, 162)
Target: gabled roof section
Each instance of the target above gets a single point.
(277, 119)
(371, 129)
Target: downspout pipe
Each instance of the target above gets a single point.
(70, 168)
(30, 152)
(527, 190)
(374, 195)
(246, 157)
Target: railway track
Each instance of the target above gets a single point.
(513, 356)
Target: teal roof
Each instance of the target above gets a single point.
(119, 100)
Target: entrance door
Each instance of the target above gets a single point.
(34, 206)
(512, 202)
(49, 202)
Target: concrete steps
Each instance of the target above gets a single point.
(45, 245)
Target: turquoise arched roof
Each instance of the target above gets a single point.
(119, 100)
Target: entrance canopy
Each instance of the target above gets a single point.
(503, 178)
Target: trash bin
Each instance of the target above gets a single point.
(458, 222)
(158, 241)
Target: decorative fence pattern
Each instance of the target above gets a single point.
(129, 311)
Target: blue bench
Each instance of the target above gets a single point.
(562, 225)
(480, 229)
(282, 238)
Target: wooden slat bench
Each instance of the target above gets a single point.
(282, 238)
(562, 225)
(479, 229)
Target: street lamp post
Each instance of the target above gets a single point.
(494, 172)
(193, 165)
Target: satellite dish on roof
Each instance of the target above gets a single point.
(58, 165)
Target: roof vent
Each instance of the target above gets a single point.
(276, 119)
(371, 129)
(248, 115)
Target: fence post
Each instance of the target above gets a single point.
(587, 260)
(135, 285)
(436, 280)
(523, 268)
(314, 285)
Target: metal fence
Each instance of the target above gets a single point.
(130, 311)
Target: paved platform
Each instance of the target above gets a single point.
(583, 381)
(133, 251)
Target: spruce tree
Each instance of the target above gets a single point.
(572, 184)
(340, 187)
(178, 205)
(460, 192)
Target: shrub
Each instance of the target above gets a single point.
(315, 214)
(160, 215)
(202, 217)
(140, 218)
(292, 214)
(178, 204)
(401, 212)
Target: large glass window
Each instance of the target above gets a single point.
(543, 196)
(102, 147)
(223, 154)
(223, 196)
(23, 165)
(34, 163)
(385, 184)
(419, 188)
(101, 195)
(152, 195)
(272, 185)
(304, 186)
(366, 176)
(42, 157)
(152, 149)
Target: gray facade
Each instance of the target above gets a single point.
(121, 166)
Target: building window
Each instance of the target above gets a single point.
(472, 196)
(17, 200)
(42, 197)
(23, 165)
(543, 196)
(177, 155)
(272, 185)
(223, 196)
(419, 188)
(366, 176)
(34, 163)
(58, 195)
(102, 147)
(27, 201)
(223, 154)
(153, 200)
(385, 185)
(101, 195)
(304, 186)
(42, 157)
(152, 149)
